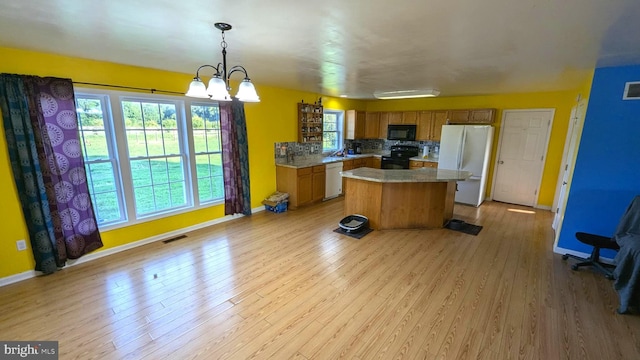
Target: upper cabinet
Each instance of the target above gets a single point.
(473, 116)
(395, 117)
(372, 125)
(429, 124)
(384, 125)
(355, 124)
(409, 117)
(482, 116)
(309, 123)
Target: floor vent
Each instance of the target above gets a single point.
(174, 239)
(632, 91)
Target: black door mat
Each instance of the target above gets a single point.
(459, 225)
(357, 235)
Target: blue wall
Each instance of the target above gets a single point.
(607, 170)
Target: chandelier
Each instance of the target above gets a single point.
(218, 88)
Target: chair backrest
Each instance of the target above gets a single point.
(630, 221)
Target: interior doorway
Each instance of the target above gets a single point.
(522, 147)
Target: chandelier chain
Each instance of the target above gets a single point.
(223, 43)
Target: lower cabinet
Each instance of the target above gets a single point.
(416, 164)
(376, 162)
(318, 180)
(304, 185)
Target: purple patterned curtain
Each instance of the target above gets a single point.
(235, 158)
(42, 135)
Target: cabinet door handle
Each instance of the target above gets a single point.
(500, 162)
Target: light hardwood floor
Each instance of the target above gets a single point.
(286, 286)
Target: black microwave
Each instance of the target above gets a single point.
(401, 132)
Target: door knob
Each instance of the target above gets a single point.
(500, 162)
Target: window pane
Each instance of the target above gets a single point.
(199, 140)
(141, 173)
(103, 191)
(213, 140)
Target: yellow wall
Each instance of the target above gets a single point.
(272, 120)
(562, 102)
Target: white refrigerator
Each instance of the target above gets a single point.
(467, 147)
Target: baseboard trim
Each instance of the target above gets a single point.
(562, 251)
(8, 280)
(11, 279)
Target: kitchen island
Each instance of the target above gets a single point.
(402, 199)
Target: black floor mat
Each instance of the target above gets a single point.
(459, 225)
(357, 235)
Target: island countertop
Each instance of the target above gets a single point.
(407, 176)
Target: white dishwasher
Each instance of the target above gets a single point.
(333, 181)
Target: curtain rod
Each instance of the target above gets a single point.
(129, 88)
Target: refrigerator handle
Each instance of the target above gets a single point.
(461, 152)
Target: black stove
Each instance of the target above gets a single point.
(399, 157)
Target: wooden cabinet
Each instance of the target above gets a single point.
(459, 116)
(360, 162)
(482, 116)
(409, 117)
(473, 116)
(317, 183)
(424, 126)
(417, 164)
(429, 124)
(355, 124)
(346, 166)
(309, 123)
(372, 125)
(376, 162)
(304, 185)
(395, 117)
(439, 119)
(384, 125)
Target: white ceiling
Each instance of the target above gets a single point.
(352, 47)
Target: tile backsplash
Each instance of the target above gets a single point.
(285, 150)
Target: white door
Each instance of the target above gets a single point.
(521, 152)
(568, 158)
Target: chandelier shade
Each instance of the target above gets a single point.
(218, 87)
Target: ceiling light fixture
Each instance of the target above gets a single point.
(218, 88)
(406, 94)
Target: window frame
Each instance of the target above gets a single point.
(117, 141)
(339, 132)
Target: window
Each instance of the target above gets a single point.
(332, 130)
(205, 120)
(101, 163)
(147, 156)
(156, 155)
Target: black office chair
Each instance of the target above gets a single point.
(598, 242)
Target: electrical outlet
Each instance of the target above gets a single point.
(21, 244)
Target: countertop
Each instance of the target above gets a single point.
(411, 176)
(313, 161)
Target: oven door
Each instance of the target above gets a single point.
(394, 163)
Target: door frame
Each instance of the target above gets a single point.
(552, 113)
